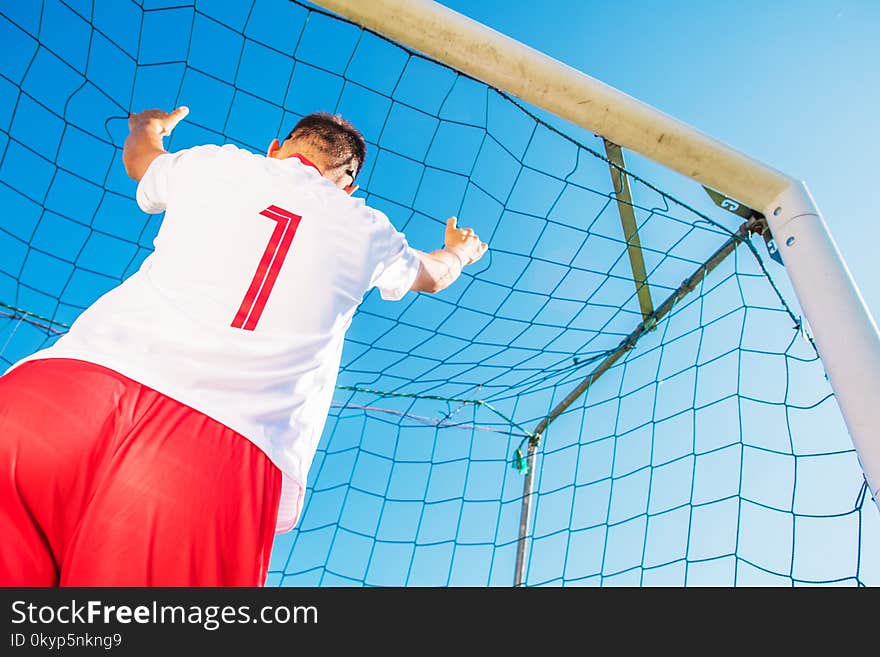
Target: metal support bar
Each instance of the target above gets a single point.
(627, 212)
(662, 310)
(687, 286)
(525, 516)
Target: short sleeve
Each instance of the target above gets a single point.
(152, 190)
(398, 263)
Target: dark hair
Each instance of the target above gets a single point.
(336, 137)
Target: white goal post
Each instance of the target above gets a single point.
(845, 333)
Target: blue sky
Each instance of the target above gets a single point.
(711, 454)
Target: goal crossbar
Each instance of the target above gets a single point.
(504, 63)
(844, 330)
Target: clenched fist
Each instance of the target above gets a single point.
(464, 243)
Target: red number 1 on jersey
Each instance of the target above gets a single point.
(267, 271)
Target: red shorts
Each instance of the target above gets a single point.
(105, 482)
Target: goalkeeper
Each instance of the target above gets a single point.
(168, 435)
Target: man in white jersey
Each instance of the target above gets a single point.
(168, 435)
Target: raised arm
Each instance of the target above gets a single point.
(144, 141)
(439, 269)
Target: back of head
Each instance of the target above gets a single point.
(337, 139)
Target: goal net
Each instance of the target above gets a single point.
(699, 442)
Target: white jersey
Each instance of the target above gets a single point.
(241, 310)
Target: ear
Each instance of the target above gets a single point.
(350, 189)
(274, 147)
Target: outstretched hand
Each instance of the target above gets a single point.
(157, 120)
(144, 142)
(464, 242)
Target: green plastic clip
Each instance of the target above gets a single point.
(520, 462)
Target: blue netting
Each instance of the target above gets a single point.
(712, 452)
